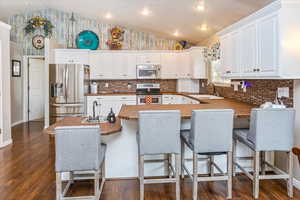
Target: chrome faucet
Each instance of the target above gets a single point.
(95, 103)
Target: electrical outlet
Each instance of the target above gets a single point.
(106, 85)
(283, 92)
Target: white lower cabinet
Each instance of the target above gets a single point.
(105, 103)
(178, 99)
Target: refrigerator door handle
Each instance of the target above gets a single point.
(66, 82)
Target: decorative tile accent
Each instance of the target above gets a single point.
(133, 39)
(260, 91)
(122, 85)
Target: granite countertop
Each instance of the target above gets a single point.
(130, 112)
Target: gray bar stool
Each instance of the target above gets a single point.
(159, 133)
(80, 152)
(210, 134)
(270, 130)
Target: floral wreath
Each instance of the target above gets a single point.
(39, 23)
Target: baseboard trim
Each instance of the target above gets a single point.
(17, 123)
(4, 144)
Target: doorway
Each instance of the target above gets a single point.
(35, 89)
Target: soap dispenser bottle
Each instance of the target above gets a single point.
(111, 117)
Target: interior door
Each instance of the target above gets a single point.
(36, 88)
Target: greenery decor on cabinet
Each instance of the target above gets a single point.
(37, 23)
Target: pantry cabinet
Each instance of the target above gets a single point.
(263, 45)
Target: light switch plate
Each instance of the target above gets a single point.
(283, 92)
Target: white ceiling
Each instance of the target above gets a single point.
(166, 16)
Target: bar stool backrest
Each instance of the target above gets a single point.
(77, 148)
(211, 130)
(272, 129)
(159, 132)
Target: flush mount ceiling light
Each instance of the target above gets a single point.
(200, 5)
(176, 33)
(108, 16)
(203, 27)
(145, 12)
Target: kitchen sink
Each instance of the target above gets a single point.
(97, 120)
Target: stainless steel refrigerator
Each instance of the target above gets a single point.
(68, 84)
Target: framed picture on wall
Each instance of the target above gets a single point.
(16, 68)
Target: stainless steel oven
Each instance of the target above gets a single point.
(148, 93)
(149, 99)
(148, 71)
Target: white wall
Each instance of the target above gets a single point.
(297, 128)
(17, 93)
(5, 75)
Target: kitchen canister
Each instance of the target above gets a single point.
(94, 88)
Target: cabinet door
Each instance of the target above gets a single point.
(169, 66)
(130, 66)
(224, 47)
(184, 65)
(148, 58)
(268, 44)
(66, 56)
(198, 66)
(101, 65)
(234, 52)
(249, 48)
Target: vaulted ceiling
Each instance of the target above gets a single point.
(165, 17)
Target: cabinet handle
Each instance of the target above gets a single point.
(99, 75)
(254, 70)
(228, 72)
(258, 70)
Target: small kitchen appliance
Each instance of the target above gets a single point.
(148, 71)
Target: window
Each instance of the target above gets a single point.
(216, 74)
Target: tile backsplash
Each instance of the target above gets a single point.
(130, 85)
(258, 93)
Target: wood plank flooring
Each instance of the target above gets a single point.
(27, 173)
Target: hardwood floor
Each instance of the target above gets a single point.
(27, 173)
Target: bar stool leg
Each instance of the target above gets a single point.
(58, 186)
(229, 174)
(182, 159)
(256, 175)
(195, 176)
(169, 163)
(290, 180)
(141, 173)
(211, 166)
(262, 160)
(96, 184)
(177, 161)
(234, 157)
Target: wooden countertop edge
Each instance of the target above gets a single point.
(109, 129)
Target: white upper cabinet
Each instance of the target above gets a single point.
(116, 65)
(112, 65)
(248, 51)
(71, 56)
(268, 44)
(148, 58)
(197, 62)
(183, 60)
(264, 44)
(169, 65)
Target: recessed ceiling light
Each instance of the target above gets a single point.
(108, 16)
(145, 12)
(176, 33)
(204, 27)
(200, 6)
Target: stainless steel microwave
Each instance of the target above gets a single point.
(148, 71)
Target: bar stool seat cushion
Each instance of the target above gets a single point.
(242, 136)
(185, 134)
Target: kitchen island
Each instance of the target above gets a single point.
(122, 149)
